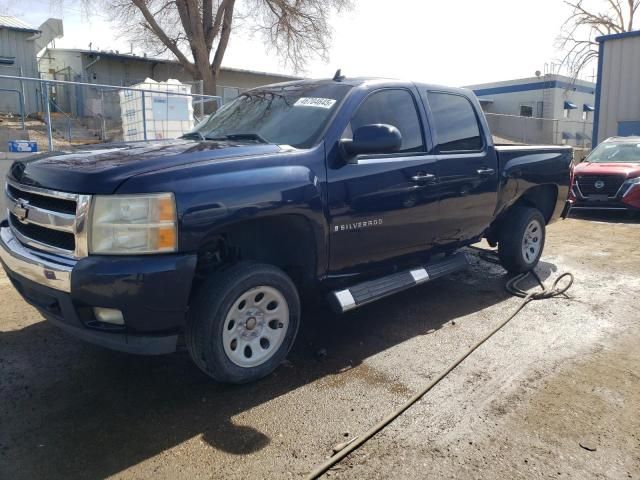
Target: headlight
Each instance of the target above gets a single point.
(133, 224)
(629, 184)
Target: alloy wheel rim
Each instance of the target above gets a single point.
(532, 241)
(255, 327)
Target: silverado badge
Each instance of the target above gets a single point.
(357, 225)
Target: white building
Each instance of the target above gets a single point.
(618, 94)
(123, 69)
(550, 109)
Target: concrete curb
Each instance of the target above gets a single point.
(11, 156)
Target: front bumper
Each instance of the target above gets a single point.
(626, 199)
(611, 204)
(151, 291)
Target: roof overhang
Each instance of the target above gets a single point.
(617, 36)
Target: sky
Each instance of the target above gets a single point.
(451, 42)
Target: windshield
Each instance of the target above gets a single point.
(616, 152)
(292, 115)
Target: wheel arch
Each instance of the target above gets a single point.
(291, 242)
(542, 197)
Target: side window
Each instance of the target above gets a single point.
(526, 110)
(455, 123)
(391, 107)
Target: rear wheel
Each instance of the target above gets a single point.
(243, 322)
(521, 240)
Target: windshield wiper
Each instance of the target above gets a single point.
(197, 135)
(240, 136)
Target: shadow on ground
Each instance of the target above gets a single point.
(70, 410)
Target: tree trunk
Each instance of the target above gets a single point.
(209, 88)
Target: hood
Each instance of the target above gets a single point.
(101, 169)
(629, 170)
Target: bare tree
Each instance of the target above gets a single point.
(589, 20)
(197, 32)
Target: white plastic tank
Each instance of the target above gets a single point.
(166, 115)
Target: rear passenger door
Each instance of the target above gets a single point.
(467, 167)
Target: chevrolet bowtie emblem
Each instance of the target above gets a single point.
(21, 211)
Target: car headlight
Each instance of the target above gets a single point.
(133, 224)
(629, 184)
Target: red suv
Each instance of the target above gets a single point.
(609, 178)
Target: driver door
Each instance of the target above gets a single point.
(383, 205)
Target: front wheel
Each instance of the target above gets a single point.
(243, 322)
(521, 239)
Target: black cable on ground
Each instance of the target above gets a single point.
(512, 287)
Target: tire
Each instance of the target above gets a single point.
(243, 322)
(521, 239)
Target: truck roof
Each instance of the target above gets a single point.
(366, 82)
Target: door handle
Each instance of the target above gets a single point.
(485, 172)
(422, 177)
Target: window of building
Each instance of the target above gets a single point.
(455, 123)
(568, 106)
(391, 107)
(526, 110)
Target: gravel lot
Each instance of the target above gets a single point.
(565, 372)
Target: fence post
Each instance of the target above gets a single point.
(22, 109)
(24, 105)
(47, 114)
(103, 122)
(201, 84)
(144, 118)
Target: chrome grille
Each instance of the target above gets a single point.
(48, 220)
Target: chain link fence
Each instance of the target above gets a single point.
(70, 113)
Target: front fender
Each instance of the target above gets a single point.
(293, 190)
(212, 196)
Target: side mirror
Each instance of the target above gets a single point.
(372, 139)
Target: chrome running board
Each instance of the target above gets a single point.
(353, 297)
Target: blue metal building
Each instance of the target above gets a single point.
(618, 93)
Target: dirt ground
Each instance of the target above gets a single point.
(37, 132)
(555, 394)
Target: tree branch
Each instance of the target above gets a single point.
(225, 34)
(162, 36)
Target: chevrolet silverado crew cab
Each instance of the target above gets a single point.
(355, 188)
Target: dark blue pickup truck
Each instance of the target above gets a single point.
(354, 188)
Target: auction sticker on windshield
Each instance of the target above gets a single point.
(315, 102)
